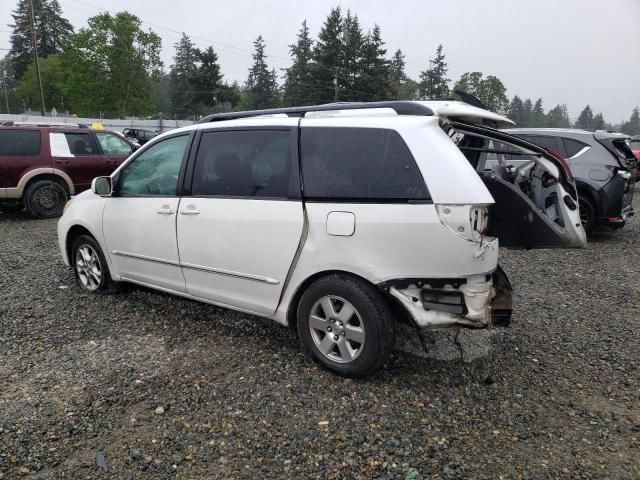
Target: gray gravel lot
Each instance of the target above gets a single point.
(82, 378)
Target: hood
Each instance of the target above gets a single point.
(463, 112)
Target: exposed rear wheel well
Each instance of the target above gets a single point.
(292, 312)
(590, 195)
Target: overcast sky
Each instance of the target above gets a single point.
(576, 52)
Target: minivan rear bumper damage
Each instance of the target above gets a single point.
(478, 301)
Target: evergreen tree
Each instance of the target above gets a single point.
(433, 81)
(373, 78)
(598, 122)
(327, 55)
(261, 87)
(229, 96)
(585, 119)
(206, 80)
(51, 30)
(558, 117)
(516, 111)
(539, 118)
(527, 113)
(632, 127)
(299, 78)
(397, 65)
(182, 76)
(352, 60)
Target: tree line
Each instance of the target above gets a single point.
(112, 67)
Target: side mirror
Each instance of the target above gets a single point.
(101, 186)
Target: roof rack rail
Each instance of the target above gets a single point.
(26, 123)
(400, 107)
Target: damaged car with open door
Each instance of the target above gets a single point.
(337, 220)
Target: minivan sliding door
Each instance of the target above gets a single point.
(239, 229)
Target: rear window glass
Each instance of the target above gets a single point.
(19, 142)
(359, 164)
(572, 146)
(623, 149)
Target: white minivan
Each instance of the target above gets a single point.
(339, 220)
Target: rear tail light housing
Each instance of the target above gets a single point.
(470, 222)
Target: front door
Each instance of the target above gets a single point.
(139, 220)
(239, 229)
(114, 150)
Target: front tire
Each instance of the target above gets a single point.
(345, 325)
(90, 267)
(45, 199)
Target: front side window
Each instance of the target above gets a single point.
(155, 172)
(359, 164)
(112, 145)
(80, 144)
(247, 163)
(19, 142)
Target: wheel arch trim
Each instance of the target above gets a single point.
(18, 191)
(301, 287)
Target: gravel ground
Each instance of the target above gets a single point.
(145, 385)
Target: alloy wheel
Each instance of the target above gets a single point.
(337, 329)
(88, 267)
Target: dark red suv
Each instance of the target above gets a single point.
(42, 166)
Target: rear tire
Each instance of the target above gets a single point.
(45, 199)
(345, 325)
(90, 267)
(588, 214)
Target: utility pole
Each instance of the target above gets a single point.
(4, 84)
(335, 87)
(35, 53)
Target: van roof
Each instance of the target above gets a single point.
(450, 109)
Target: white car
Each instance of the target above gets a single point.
(339, 220)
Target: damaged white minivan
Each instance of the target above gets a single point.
(339, 220)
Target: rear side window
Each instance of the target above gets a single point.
(572, 146)
(247, 163)
(71, 144)
(359, 164)
(19, 142)
(544, 142)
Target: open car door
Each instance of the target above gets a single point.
(536, 201)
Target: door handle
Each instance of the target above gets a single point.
(165, 210)
(61, 161)
(190, 210)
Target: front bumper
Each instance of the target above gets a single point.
(479, 301)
